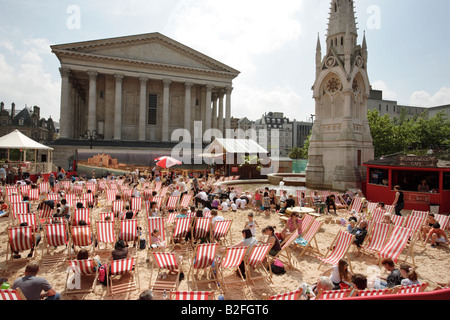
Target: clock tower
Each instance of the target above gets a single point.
(341, 141)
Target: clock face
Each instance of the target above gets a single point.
(333, 85)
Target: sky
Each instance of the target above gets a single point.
(272, 44)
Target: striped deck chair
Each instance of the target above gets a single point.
(103, 216)
(126, 194)
(81, 236)
(78, 189)
(376, 237)
(33, 194)
(371, 207)
(10, 190)
(81, 268)
(45, 213)
(395, 245)
(56, 235)
(290, 296)
(186, 200)
(105, 233)
(14, 198)
(171, 218)
(255, 260)
(285, 251)
(53, 196)
(414, 223)
(204, 257)
(117, 206)
(154, 223)
(29, 218)
(335, 294)
(443, 221)
(44, 187)
(71, 198)
(163, 191)
(374, 292)
(172, 202)
(356, 205)
(206, 214)
(136, 204)
(128, 230)
(221, 231)
(20, 239)
(180, 230)
(19, 208)
(159, 201)
(119, 268)
(81, 215)
(192, 295)
(66, 185)
(398, 221)
(111, 195)
(306, 224)
(410, 289)
(12, 295)
(165, 261)
(389, 208)
(378, 215)
(201, 230)
(231, 260)
(92, 187)
(421, 214)
(306, 239)
(84, 202)
(338, 249)
(158, 185)
(25, 189)
(148, 193)
(88, 198)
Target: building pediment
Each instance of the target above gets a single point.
(150, 49)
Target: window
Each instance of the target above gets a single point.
(387, 108)
(21, 122)
(379, 177)
(152, 108)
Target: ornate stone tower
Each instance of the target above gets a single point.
(341, 141)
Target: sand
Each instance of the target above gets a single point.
(432, 263)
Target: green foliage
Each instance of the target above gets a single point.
(298, 153)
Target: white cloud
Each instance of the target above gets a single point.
(387, 93)
(425, 99)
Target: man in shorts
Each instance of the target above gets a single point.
(436, 235)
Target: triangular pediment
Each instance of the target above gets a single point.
(153, 48)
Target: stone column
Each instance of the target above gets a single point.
(92, 104)
(228, 91)
(165, 118)
(72, 106)
(64, 117)
(208, 113)
(214, 111)
(142, 107)
(220, 116)
(187, 110)
(118, 107)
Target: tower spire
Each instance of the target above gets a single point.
(341, 20)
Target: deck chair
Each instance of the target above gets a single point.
(221, 231)
(186, 200)
(373, 292)
(204, 257)
(111, 195)
(398, 221)
(378, 215)
(410, 289)
(356, 205)
(105, 233)
(443, 221)
(44, 187)
(18, 208)
(126, 194)
(335, 294)
(81, 236)
(129, 231)
(136, 204)
(390, 208)
(338, 249)
(163, 191)
(192, 295)
(92, 187)
(24, 190)
(53, 196)
(33, 194)
(14, 198)
(88, 198)
(371, 207)
(285, 251)
(159, 201)
(181, 229)
(148, 194)
(231, 260)
(307, 221)
(395, 245)
(201, 229)
(12, 295)
(81, 269)
(306, 239)
(119, 269)
(81, 215)
(376, 238)
(29, 218)
(20, 239)
(172, 203)
(255, 261)
(414, 223)
(103, 216)
(70, 198)
(118, 206)
(290, 296)
(164, 261)
(77, 189)
(56, 235)
(171, 218)
(152, 224)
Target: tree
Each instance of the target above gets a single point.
(296, 153)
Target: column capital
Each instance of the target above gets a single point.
(92, 75)
(215, 96)
(119, 77)
(188, 84)
(65, 72)
(167, 82)
(229, 89)
(221, 93)
(143, 80)
(209, 87)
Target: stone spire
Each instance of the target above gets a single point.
(341, 20)
(318, 55)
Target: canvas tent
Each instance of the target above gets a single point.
(17, 140)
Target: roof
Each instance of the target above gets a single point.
(17, 140)
(238, 146)
(409, 160)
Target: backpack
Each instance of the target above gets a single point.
(277, 267)
(142, 244)
(102, 274)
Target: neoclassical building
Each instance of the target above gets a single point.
(140, 88)
(341, 140)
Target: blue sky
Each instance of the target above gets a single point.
(271, 43)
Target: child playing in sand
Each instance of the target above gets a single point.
(251, 224)
(436, 235)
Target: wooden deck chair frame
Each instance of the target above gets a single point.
(55, 235)
(12, 295)
(343, 242)
(255, 261)
(231, 260)
(310, 236)
(285, 252)
(192, 295)
(81, 268)
(204, 257)
(169, 261)
(105, 233)
(119, 268)
(20, 244)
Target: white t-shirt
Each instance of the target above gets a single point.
(217, 218)
(252, 226)
(224, 206)
(183, 187)
(202, 195)
(233, 207)
(335, 277)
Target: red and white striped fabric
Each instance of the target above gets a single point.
(158, 186)
(81, 214)
(396, 243)
(14, 198)
(420, 214)
(25, 189)
(70, 198)
(181, 227)
(20, 238)
(102, 186)
(45, 212)
(443, 220)
(10, 190)
(357, 204)
(374, 292)
(84, 267)
(290, 240)
(44, 187)
(128, 230)
(172, 202)
(398, 221)
(166, 260)
(233, 257)
(78, 189)
(389, 208)
(52, 220)
(82, 236)
(335, 294)
(82, 201)
(120, 182)
(148, 193)
(294, 295)
(343, 242)
(258, 254)
(113, 186)
(9, 295)
(158, 201)
(146, 185)
(117, 206)
(163, 191)
(105, 232)
(29, 218)
(411, 289)
(89, 198)
(56, 235)
(53, 196)
(206, 214)
(312, 231)
(377, 237)
(33, 194)
(205, 255)
(413, 222)
(171, 218)
(202, 228)
(371, 207)
(156, 223)
(221, 229)
(306, 223)
(111, 195)
(378, 215)
(126, 194)
(20, 208)
(92, 187)
(103, 216)
(191, 295)
(120, 267)
(136, 203)
(186, 200)
(325, 194)
(66, 185)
